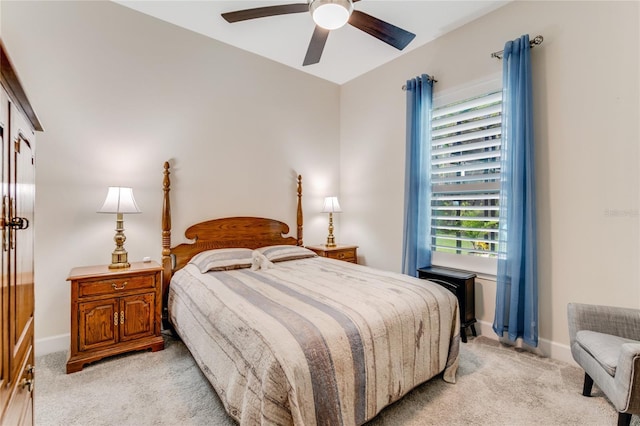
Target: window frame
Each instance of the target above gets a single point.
(486, 266)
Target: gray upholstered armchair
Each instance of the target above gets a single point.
(605, 342)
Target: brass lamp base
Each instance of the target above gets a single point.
(119, 261)
(119, 265)
(119, 257)
(331, 241)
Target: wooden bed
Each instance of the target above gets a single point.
(302, 340)
(246, 232)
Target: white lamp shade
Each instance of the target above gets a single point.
(331, 14)
(331, 205)
(119, 200)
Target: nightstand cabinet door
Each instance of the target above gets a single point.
(136, 316)
(98, 324)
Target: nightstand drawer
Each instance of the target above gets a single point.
(346, 255)
(115, 285)
(339, 252)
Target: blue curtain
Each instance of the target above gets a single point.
(517, 280)
(417, 194)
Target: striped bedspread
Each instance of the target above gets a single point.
(314, 341)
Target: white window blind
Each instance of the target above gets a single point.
(465, 175)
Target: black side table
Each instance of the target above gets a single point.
(460, 283)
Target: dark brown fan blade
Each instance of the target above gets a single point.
(390, 34)
(263, 12)
(316, 46)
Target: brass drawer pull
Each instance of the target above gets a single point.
(115, 318)
(121, 317)
(115, 286)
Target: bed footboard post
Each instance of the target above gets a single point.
(166, 244)
(299, 217)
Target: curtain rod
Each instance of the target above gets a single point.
(537, 40)
(532, 43)
(431, 79)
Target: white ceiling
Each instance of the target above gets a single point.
(348, 52)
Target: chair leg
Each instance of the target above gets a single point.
(588, 384)
(624, 419)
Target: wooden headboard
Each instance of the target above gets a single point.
(247, 232)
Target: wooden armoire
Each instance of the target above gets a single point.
(18, 124)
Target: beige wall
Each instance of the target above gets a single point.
(119, 93)
(587, 149)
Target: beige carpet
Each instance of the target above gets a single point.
(497, 385)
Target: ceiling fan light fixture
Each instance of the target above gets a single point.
(331, 14)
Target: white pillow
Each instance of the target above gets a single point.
(222, 259)
(284, 252)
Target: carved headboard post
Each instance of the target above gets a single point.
(166, 241)
(299, 217)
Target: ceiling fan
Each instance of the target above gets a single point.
(329, 15)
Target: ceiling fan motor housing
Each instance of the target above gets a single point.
(331, 14)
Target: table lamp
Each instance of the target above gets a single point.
(119, 201)
(331, 206)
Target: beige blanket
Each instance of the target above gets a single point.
(314, 341)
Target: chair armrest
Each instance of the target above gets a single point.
(628, 375)
(623, 322)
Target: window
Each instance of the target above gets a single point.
(465, 176)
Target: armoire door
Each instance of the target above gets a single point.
(21, 205)
(18, 123)
(5, 373)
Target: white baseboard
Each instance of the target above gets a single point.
(52, 344)
(545, 347)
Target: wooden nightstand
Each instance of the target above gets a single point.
(340, 252)
(114, 311)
